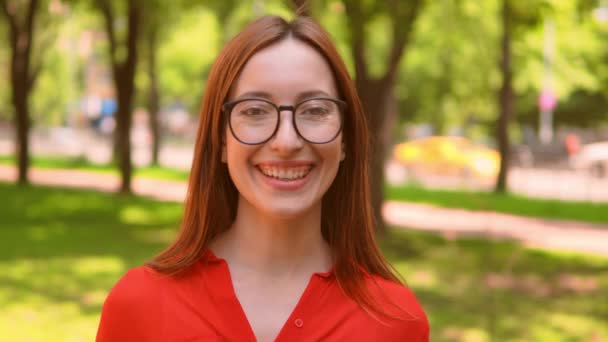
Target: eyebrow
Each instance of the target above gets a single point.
(311, 93)
(301, 96)
(261, 94)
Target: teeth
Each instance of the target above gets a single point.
(285, 173)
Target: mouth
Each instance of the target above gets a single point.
(285, 173)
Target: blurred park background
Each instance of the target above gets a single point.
(490, 164)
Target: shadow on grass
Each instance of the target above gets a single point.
(474, 289)
(45, 222)
(62, 249)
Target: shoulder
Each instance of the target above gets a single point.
(400, 301)
(138, 286)
(400, 294)
(133, 306)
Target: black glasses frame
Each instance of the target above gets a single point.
(227, 111)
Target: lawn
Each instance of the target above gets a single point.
(82, 164)
(503, 203)
(62, 250)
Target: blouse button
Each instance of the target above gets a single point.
(299, 323)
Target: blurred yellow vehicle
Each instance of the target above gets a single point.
(448, 155)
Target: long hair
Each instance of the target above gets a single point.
(347, 222)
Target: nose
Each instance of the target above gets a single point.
(286, 140)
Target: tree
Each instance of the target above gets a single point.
(227, 13)
(505, 96)
(21, 18)
(376, 91)
(123, 59)
(301, 7)
(155, 30)
(151, 39)
(450, 76)
(589, 9)
(513, 16)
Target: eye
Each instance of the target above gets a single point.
(254, 111)
(316, 110)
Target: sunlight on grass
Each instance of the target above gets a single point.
(478, 290)
(468, 334)
(557, 326)
(163, 236)
(42, 321)
(423, 279)
(38, 233)
(573, 324)
(133, 214)
(62, 250)
(92, 266)
(61, 297)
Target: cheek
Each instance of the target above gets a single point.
(339, 147)
(237, 169)
(333, 154)
(236, 154)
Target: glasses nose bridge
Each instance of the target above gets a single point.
(291, 109)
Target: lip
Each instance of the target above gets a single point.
(277, 184)
(285, 163)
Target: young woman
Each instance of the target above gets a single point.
(277, 241)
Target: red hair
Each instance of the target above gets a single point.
(347, 222)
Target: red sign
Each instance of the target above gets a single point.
(547, 100)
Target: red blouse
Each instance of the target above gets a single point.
(201, 305)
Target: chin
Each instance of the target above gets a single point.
(285, 211)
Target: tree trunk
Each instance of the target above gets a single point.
(438, 118)
(125, 97)
(376, 92)
(153, 97)
(23, 77)
(505, 99)
(123, 137)
(23, 128)
(115, 142)
(20, 95)
(375, 95)
(124, 77)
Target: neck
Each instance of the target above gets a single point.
(274, 244)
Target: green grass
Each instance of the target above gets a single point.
(82, 164)
(503, 203)
(480, 290)
(62, 250)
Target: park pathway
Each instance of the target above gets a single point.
(451, 223)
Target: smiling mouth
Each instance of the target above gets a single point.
(285, 173)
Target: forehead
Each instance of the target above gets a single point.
(285, 70)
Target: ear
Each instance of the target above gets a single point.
(343, 152)
(224, 156)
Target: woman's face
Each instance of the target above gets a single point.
(286, 176)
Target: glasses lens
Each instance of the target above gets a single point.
(253, 121)
(318, 120)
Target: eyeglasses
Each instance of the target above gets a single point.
(254, 121)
